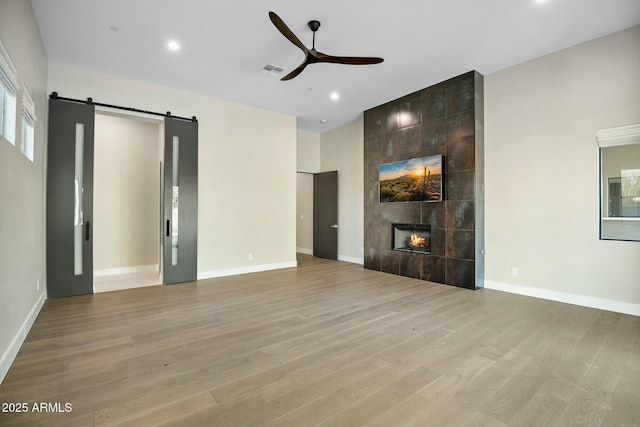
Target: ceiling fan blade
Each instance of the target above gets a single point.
(297, 71)
(349, 60)
(282, 27)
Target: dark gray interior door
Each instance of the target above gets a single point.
(180, 205)
(70, 199)
(325, 215)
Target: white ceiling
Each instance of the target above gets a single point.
(227, 42)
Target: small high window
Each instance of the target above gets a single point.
(28, 124)
(8, 90)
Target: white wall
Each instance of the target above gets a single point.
(126, 193)
(247, 166)
(541, 173)
(22, 188)
(342, 149)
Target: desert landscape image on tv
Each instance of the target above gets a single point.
(413, 180)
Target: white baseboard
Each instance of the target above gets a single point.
(126, 270)
(306, 251)
(600, 303)
(244, 270)
(351, 259)
(10, 353)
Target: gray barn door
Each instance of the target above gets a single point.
(70, 199)
(180, 195)
(325, 215)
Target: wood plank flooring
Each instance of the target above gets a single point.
(119, 282)
(325, 344)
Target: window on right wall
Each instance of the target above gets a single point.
(620, 183)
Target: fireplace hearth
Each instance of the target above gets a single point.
(411, 238)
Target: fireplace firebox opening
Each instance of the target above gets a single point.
(411, 238)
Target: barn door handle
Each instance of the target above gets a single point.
(87, 231)
(168, 228)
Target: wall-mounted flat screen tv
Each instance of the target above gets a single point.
(413, 180)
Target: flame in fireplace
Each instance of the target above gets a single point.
(416, 241)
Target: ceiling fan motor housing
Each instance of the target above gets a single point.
(314, 25)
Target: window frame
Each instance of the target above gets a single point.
(618, 227)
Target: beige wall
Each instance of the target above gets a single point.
(126, 193)
(246, 169)
(342, 149)
(542, 193)
(308, 151)
(22, 188)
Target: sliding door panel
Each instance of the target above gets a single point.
(180, 206)
(70, 199)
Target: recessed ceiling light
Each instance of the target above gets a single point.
(173, 45)
(335, 96)
(323, 121)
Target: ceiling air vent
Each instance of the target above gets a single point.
(271, 70)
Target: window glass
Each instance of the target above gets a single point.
(620, 183)
(28, 124)
(8, 90)
(7, 114)
(27, 136)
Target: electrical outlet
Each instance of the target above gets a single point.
(515, 271)
(250, 257)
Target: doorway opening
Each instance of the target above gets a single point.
(304, 213)
(127, 201)
(317, 214)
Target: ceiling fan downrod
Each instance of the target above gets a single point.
(313, 26)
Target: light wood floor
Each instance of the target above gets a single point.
(327, 344)
(119, 282)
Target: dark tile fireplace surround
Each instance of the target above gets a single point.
(446, 119)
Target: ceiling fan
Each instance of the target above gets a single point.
(312, 56)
